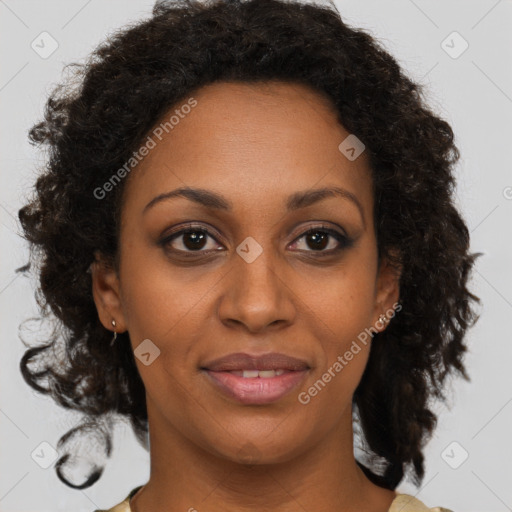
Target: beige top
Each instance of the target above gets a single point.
(402, 503)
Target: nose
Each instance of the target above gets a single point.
(256, 294)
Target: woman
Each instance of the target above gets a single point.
(246, 228)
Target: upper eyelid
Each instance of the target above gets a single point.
(209, 230)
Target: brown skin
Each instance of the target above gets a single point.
(256, 145)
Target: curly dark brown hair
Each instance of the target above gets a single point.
(95, 120)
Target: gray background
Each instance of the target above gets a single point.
(473, 92)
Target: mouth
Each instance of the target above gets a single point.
(256, 379)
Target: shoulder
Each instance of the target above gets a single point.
(408, 503)
(120, 507)
(123, 506)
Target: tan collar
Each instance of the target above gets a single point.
(402, 503)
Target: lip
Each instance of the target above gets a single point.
(244, 361)
(256, 390)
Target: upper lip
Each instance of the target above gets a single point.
(243, 361)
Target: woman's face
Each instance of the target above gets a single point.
(246, 278)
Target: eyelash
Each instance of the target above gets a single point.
(344, 241)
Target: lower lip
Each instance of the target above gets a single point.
(256, 390)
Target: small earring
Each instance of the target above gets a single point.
(383, 319)
(115, 333)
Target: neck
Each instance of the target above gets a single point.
(184, 476)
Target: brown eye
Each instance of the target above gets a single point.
(323, 240)
(192, 239)
(318, 240)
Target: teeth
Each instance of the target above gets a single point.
(250, 373)
(263, 374)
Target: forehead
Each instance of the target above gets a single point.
(248, 142)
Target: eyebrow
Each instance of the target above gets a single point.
(297, 200)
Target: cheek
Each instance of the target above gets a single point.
(344, 342)
(158, 306)
(342, 300)
(167, 305)
(158, 296)
(341, 309)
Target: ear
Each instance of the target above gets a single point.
(106, 294)
(387, 291)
